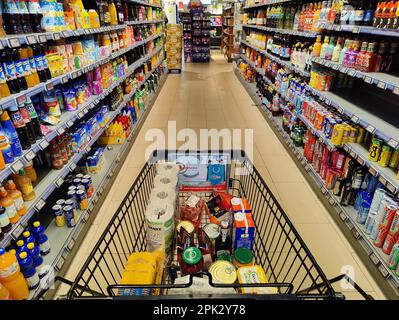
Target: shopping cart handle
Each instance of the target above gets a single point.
(363, 293)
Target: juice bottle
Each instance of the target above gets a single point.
(26, 186)
(8, 203)
(16, 195)
(5, 223)
(30, 172)
(41, 238)
(10, 72)
(359, 63)
(27, 73)
(370, 57)
(112, 13)
(337, 50)
(35, 15)
(343, 51)
(316, 17)
(11, 277)
(4, 90)
(119, 11)
(324, 47)
(12, 23)
(4, 293)
(11, 134)
(330, 49)
(94, 19)
(35, 76)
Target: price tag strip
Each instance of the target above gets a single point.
(29, 156)
(17, 232)
(44, 144)
(39, 205)
(59, 182)
(17, 165)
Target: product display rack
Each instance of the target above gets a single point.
(355, 108)
(201, 37)
(227, 45)
(185, 19)
(216, 40)
(64, 239)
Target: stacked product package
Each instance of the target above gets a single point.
(174, 45)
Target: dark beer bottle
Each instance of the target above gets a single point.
(11, 73)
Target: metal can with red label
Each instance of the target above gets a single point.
(388, 215)
(88, 188)
(388, 244)
(382, 233)
(394, 229)
(393, 259)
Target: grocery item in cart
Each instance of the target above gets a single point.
(200, 286)
(243, 257)
(167, 168)
(207, 248)
(191, 209)
(186, 225)
(218, 207)
(159, 218)
(223, 272)
(251, 275)
(244, 226)
(191, 261)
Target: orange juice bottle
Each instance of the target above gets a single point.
(8, 203)
(11, 276)
(112, 13)
(25, 185)
(30, 171)
(4, 293)
(16, 195)
(29, 77)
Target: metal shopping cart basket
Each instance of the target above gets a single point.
(278, 248)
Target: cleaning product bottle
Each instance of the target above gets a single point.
(16, 195)
(28, 270)
(11, 277)
(26, 187)
(4, 293)
(41, 238)
(34, 252)
(8, 203)
(28, 237)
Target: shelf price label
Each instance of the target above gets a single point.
(81, 114)
(342, 216)
(370, 129)
(64, 79)
(361, 160)
(21, 99)
(31, 39)
(17, 165)
(44, 144)
(13, 42)
(355, 233)
(56, 36)
(49, 86)
(72, 167)
(355, 119)
(69, 123)
(59, 182)
(373, 171)
(393, 143)
(60, 263)
(42, 38)
(396, 90)
(30, 155)
(17, 232)
(368, 79)
(39, 205)
(374, 258)
(70, 245)
(382, 85)
(384, 271)
(332, 201)
(391, 187)
(382, 180)
(352, 72)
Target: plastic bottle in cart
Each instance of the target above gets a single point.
(41, 238)
(11, 277)
(28, 270)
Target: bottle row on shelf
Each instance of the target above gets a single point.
(73, 196)
(351, 186)
(84, 130)
(34, 16)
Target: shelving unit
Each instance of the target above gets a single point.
(216, 36)
(201, 35)
(227, 44)
(353, 108)
(185, 19)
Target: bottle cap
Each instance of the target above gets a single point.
(192, 255)
(2, 251)
(243, 255)
(26, 234)
(23, 255)
(36, 224)
(20, 243)
(30, 245)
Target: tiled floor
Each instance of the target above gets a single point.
(210, 96)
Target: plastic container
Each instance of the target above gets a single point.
(41, 238)
(223, 272)
(28, 270)
(191, 261)
(243, 257)
(34, 252)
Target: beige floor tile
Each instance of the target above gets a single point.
(282, 169)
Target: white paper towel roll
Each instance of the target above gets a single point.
(167, 167)
(165, 180)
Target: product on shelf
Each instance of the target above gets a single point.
(174, 45)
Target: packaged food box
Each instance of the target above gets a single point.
(251, 275)
(244, 226)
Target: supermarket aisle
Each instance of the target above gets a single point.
(210, 96)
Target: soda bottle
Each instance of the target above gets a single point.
(28, 270)
(24, 14)
(23, 110)
(18, 67)
(11, 277)
(11, 73)
(19, 125)
(32, 63)
(45, 64)
(34, 119)
(4, 90)
(11, 19)
(5, 223)
(35, 15)
(38, 56)
(11, 133)
(27, 72)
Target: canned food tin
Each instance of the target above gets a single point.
(69, 216)
(71, 188)
(388, 215)
(394, 162)
(91, 187)
(74, 206)
(388, 243)
(86, 183)
(393, 259)
(79, 176)
(72, 199)
(353, 135)
(382, 232)
(60, 202)
(59, 215)
(379, 195)
(394, 229)
(375, 149)
(223, 272)
(82, 199)
(337, 134)
(385, 156)
(77, 181)
(347, 132)
(360, 135)
(212, 230)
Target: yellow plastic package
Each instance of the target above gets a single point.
(254, 274)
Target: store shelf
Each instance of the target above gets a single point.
(386, 176)
(134, 23)
(55, 177)
(253, 65)
(19, 98)
(269, 3)
(346, 213)
(360, 29)
(285, 31)
(63, 239)
(286, 64)
(370, 122)
(144, 3)
(381, 80)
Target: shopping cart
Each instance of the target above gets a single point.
(278, 248)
